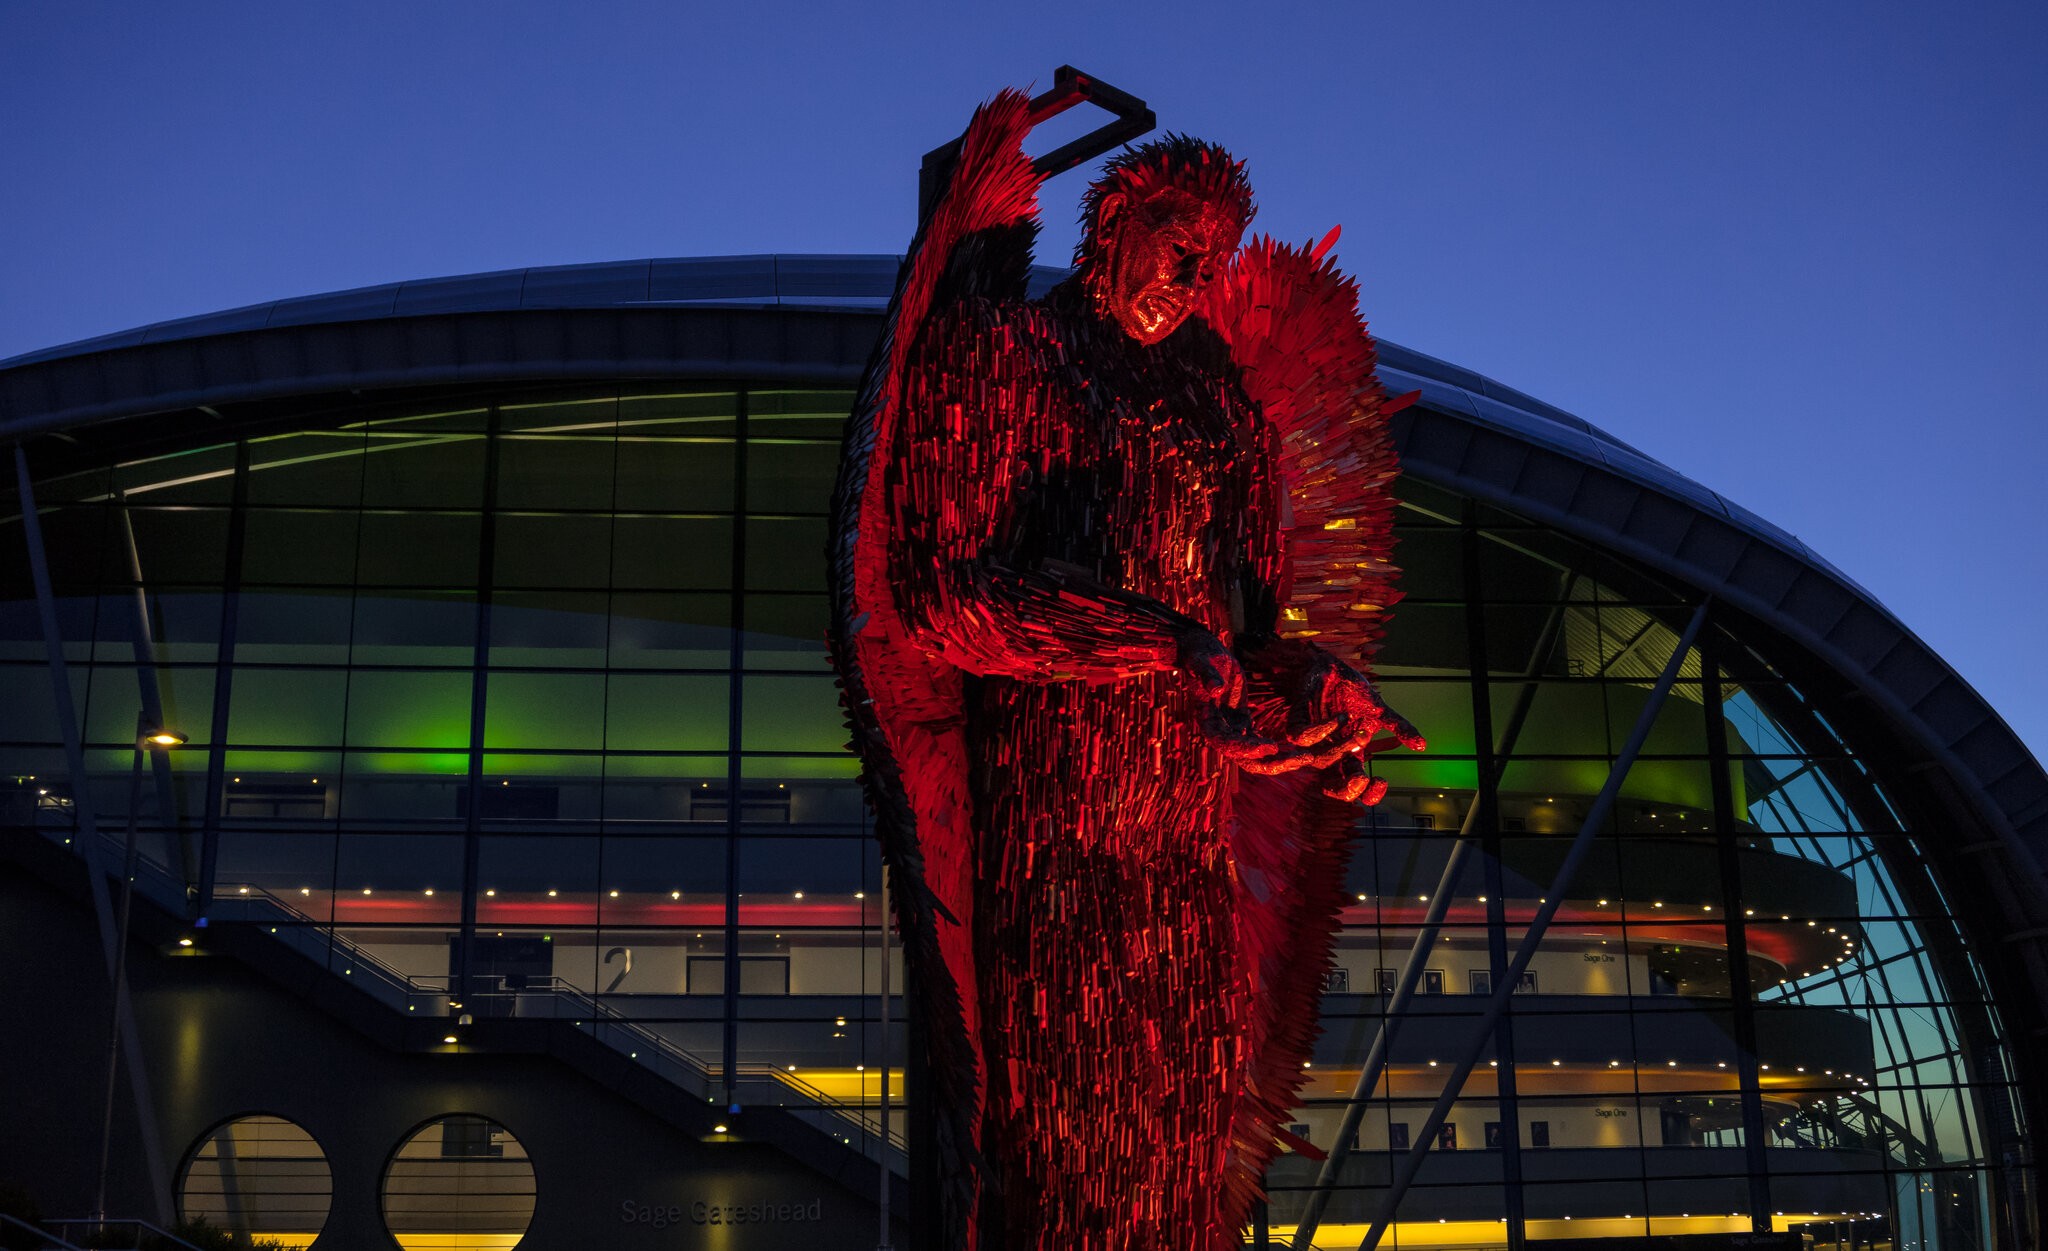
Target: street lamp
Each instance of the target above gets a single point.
(148, 738)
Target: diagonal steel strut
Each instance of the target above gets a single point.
(1533, 937)
(87, 825)
(1425, 940)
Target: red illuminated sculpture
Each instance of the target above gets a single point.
(1109, 569)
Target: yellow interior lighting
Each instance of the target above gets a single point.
(1407, 1234)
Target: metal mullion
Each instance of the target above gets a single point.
(605, 706)
(1432, 923)
(1919, 950)
(1553, 899)
(1487, 801)
(149, 684)
(1740, 991)
(734, 779)
(86, 824)
(472, 831)
(223, 686)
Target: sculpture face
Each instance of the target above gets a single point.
(1157, 254)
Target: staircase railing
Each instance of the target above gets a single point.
(550, 998)
(45, 1240)
(140, 1233)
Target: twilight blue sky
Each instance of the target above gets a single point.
(1795, 251)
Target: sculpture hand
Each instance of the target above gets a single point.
(1337, 717)
(1340, 708)
(1333, 717)
(1219, 679)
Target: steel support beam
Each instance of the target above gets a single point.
(1375, 1065)
(463, 976)
(735, 772)
(1504, 988)
(87, 840)
(149, 686)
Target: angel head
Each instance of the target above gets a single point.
(1156, 228)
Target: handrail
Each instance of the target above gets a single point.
(157, 883)
(44, 1234)
(157, 1231)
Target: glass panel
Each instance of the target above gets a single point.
(418, 549)
(672, 553)
(299, 547)
(409, 709)
(545, 710)
(654, 712)
(426, 463)
(288, 707)
(792, 714)
(785, 554)
(553, 629)
(420, 628)
(175, 545)
(260, 1179)
(671, 631)
(790, 475)
(538, 471)
(460, 1181)
(307, 469)
(286, 628)
(786, 632)
(539, 549)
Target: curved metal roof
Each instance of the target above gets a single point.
(860, 283)
(813, 319)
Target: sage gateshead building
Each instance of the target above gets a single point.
(415, 704)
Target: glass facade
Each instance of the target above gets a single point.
(519, 706)
(1752, 1008)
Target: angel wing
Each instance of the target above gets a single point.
(1291, 322)
(903, 707)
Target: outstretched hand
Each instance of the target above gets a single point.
(1334, 717)
(1338, 716)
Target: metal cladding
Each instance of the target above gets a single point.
(1104, 600)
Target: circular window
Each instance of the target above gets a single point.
(460, 1183)
(259, 1177)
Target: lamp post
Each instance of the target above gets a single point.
(148, 738)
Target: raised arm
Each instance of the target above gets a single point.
(981, 434)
